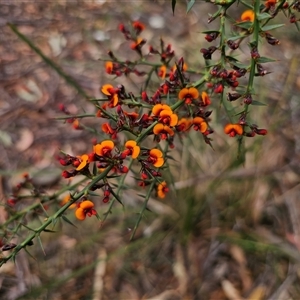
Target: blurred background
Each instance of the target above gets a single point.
(228, 229)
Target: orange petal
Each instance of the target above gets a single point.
(158, 128)
(173, 120)
(184, 92)
(248, 15)
(135, 152)
(168, 130)
(194, 92)
(109, 67)
(156, 153)
(106, 89)
(84, 161)
(205, 98)
(130, 144)
(108, 144)
(159, 162)
(115, 100)
(86, 204)
(79, 214)
(157, 108)
(198, 120)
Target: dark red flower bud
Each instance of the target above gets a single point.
(261, 131)
(248, 99)
(272, 40)
(232, 45)
(233, 96)
(212, 36)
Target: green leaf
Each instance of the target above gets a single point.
(68, 221)
(271, 27)
(117, 197)
(190, 5)
(245, 25)
(173, 6)
(257, 103)
(263, 16)
(263, 59)
(234, 38)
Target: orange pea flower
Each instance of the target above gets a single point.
(167, 117)
(184, 124)
(137, 45)
(84, 161)
(199, 124)
(248, 15)
(108, 90)
(85, 208)
(156, 158)
(234, 129)
(163, 131)
(65, 200)
(104, 148)
(162, 72)
(188, 94)
(205, 99)
(157, 108)
(109, 67)
(162, 189)
(107, 128)
(134, 149)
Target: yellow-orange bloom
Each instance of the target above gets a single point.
(234, 129)
(188, 94)
(157, 108)
(167, 117)
(199, 124)
(248, 15)
(104, 148)
(84, 160)
(85, 208)
(66, 199)
(163, 130)
(184, 124)
(156, 158)
(133, 147)
(162, 189)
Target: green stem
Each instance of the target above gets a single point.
(143, 209)
(49, 62)
(52, 219)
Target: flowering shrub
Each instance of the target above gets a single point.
(142, 129)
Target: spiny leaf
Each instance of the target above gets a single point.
(40, 242)
(173, 6)
(117, 197)
(271, 27)
(263, 59)
(68, 221)
(190, 5)
(263, 16)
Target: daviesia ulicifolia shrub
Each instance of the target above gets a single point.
(151, 121)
